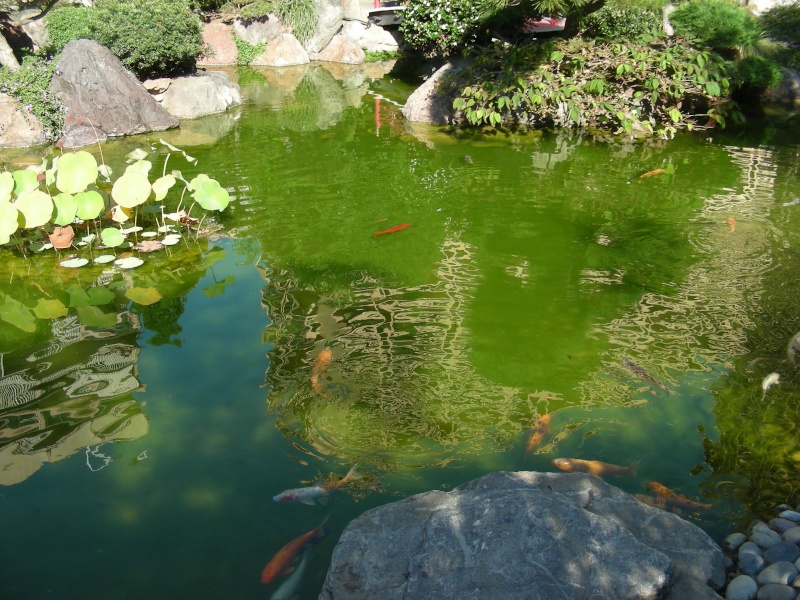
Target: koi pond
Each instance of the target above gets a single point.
(413, 301)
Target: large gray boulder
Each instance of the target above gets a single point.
(200, 95)
(102, 98)
(259, 31)
(19, 128)
(343, 50)
(526, 535)
(330, 16)
(429, 103)
(282, 51)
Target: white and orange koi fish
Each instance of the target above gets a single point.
(308, 494)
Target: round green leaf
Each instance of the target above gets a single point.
(25, 180)
(90, 205)
(209, 193)
(67, 207)
(111, 237)
(6, 186)
(130, 190)
(9, 221)
(76, 171)
(143, 296)
(17, 314)
(162, 185)
(36, 207)
(50, 309)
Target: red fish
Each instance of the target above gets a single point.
(392, 229)
(282, 561)
(538, 429)
(670, 498)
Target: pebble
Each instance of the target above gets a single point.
(733, 541)
(790, 515)
(781, 525)
(782, 572)
(782, 551)
(741, 587)
(774, 591)
(765, 539)
(792, 535)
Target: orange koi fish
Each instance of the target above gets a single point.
(731, 224)
(538, 429)
(392, 229)
(282, 561)
(308, 494)
(593, 467)
(321, 364)
(651, 501)
(651, 174)
(670, 498)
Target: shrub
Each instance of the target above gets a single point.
(717, 23)
(781, 23)
(620, 21)
(247, 52)
(755, 74)
(30, 87)
(299, 15)
(440, 28)
(67, 24)
(150, 37)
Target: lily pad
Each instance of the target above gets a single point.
(93, 316)
(162, 185)
(17, 314)
(140, 166)
(105, 172)
(166, 228)
(120, 214)
(128, 230)
(75, 172)
(149, 234)
(131, 190)
(6, 186)
(90, 205)
(112, 237)
(144, 296)
(74, 263)
(104, 258)
(50, 309)
(218, 288)
(25, 181)
(135, 155)
(100, 295)
(209, 193)
(36, 207)
(129, 263)
(171, 239)
(9, 221)
(67, 208)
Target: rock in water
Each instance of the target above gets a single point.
(524, 535)
(102, 98)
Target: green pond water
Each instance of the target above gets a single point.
(141, 446)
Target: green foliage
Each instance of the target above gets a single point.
(379, 55)
(756, 73)
(781, 23)
(622, 21)
(67, 24)
(719, 24)
(247, 52)
(30, 87)
(299, 15)
(655, 85)
(206, 5)
(440, 28)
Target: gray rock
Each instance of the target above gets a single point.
(782, 572)
(330, 15)
(733, 541)
(792, 535)
(523, 535)
(372, 38)
(200, 95)
(102, 98)
(751, 559)
(429, 104)
(741, 587)
(796, 582)
(790, 515)
(19, 128)
(762, 535)
(788, 92)
(781, 525)
(782, 551)
(774, 591)
(259, 31)
(342, 49)
(282, 51)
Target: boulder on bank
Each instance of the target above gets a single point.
(342, 49)
(429, 104)
(200, 95)
(282, 51)
(524, 535)
(330, 16)
(218, 38)
(788, 92)
(259, 31)
(102, 98)
(19, 128)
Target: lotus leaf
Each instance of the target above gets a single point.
(149, 234)
(112, 237)
(36, 207)
(218, 288)
(50, 309)
(105, 172)
(67, 207)
(17, 314)
(120, 214)
(144, 296)
(170, 146)
(25, 180)
(162, 185)
(131, 190)
(134, 229)
(104, 258)
(90, 205)
(100, 295)
(9, 221)
(209, 193)
(74, 263)
(75, 172)
(129, 263)
(140, 166)
(93, 316)
(6, 186)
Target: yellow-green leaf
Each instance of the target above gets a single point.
(143, 296)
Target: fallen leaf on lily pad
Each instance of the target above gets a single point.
(149, 246)
(62, 237)
(143, 296)
(104, 258)
(176, 216)
(74, 263)
(149, 234)
(129, 263)
(50, 309)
